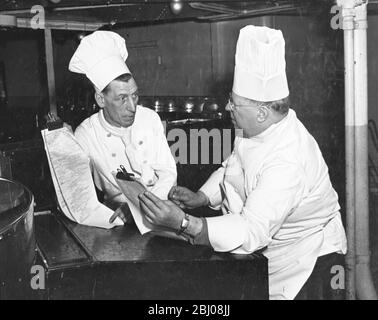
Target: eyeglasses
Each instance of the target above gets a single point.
(233, 106)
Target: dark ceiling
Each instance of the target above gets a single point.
(134, 12)
(142, 11)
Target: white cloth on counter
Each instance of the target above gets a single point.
(141, 148)
(275, 192)
(71, 175)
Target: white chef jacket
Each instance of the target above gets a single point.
(275, 191)
(141, 148)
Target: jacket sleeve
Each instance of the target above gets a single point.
(278, 192)
(164, 165)
(212, 189)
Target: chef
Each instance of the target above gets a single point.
(122, 133)
(274, 190)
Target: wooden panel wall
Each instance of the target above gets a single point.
(170, 59)
(23, 67)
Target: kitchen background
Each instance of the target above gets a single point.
(178, 62)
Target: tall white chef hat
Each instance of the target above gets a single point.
(260, 64)
(101, 57)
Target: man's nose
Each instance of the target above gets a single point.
(130, 104)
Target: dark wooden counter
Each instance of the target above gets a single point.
(91, 263)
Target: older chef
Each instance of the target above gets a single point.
(122, 132)
(274, 190)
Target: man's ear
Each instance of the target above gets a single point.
(262, 114)
(100, 99)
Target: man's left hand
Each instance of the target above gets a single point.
(163, 213)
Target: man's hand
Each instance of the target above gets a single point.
(66, 125)
(123, 212)
(162, 213)
(186, 198)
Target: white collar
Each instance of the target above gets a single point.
(269, 135)
(116, 131)
(274, 129)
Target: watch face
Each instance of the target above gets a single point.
(185, 222)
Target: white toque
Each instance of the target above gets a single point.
(101, 57)
(260, 64)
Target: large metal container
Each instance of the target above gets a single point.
(17, 240)
(26, 162)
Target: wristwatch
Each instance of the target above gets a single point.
(184, 224)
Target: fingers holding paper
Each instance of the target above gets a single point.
(123, 212)
(163, 213)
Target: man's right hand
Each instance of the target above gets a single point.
(186, 198)
(123, 212)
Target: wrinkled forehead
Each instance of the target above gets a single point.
(117, 87)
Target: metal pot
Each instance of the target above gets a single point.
(189, 105)
(158, 105)
(171, 106)
(17, 240)
(189, 121)
(209, 105)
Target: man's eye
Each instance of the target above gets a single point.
(126, 97)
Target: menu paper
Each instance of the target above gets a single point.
(132, 190)
(72, 178)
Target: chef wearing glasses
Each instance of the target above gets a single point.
(122, 132)
(274, 190)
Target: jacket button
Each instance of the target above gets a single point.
(140, 142)
(114, 155)
(144, 161)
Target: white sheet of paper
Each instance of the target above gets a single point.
(73, 182)
(132, 189)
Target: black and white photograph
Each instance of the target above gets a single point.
(188, 156)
